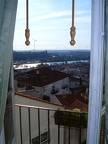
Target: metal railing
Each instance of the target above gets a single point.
(76, 121)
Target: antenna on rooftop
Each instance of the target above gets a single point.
(34, 43)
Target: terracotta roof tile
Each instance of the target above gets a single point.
(69, 99)
(41, 77)
(79, 105)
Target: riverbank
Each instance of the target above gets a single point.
(35, 64)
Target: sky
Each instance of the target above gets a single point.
(50, 22)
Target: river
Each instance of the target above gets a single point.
(31, 65)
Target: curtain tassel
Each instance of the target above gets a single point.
(27, 31)
(72, 29)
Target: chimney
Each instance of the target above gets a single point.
(37, 71)
(52, 68)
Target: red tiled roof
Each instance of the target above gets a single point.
(78, 105)
(69, 100)
(46, 76)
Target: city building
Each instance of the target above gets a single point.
(99, 57)
(43, 83)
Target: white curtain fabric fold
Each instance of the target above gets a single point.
(7, 24)
(96, 71)
(106, 70)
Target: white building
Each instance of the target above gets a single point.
(43, 83)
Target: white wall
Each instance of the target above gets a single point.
(39, 92)
(74, 134)
(34, 121)
(44, 123)
(74, 84)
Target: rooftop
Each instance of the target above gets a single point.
(40, 77)
(72, 101)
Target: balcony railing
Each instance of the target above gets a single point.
(36, 125)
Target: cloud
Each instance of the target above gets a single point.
(50, 22)
(52, 15)
(78, 20)
(82, 12)
(83, 19)
(20, 16)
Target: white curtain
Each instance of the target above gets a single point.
(106, 70)
(7, 24)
